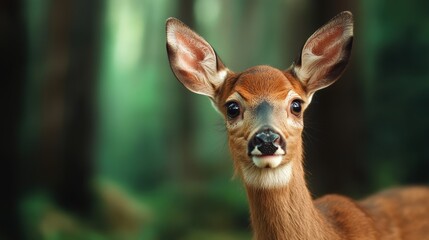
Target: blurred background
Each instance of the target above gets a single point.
(100, 141)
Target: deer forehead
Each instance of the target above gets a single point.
(261, 83)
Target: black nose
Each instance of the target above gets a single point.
(266, 141)
(266, 136)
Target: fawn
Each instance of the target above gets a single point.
(263, 108)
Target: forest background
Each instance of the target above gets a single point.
(102, 142)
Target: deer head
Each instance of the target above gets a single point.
(263, 107)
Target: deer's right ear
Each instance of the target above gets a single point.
(193, 60)
(325, 54)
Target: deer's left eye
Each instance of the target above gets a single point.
(232, 110)
(295, 107)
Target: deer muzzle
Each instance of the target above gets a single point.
(266, 148)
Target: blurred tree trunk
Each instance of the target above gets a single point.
(14, 62)
(397, 85)
(185, 133)
(334, 143)
(68, 102)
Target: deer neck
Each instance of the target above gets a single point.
(286, 212)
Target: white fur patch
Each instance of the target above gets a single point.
(267, 177)
(271, 161)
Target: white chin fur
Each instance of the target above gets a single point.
(267, 177)
(271, 161)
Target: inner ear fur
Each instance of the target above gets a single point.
(193, 60)
(325, 54)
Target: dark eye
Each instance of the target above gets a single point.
(295, 107)
(232, 109)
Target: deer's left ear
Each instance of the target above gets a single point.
(193, 60)
(325, 54)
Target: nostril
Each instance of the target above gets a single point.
(274, 137)
(266, 136)
(260, 138)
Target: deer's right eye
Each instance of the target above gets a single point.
(295, 107)
(232, 110)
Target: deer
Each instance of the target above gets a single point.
(263, 109)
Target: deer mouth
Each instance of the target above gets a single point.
(267, 161)
(272, 160)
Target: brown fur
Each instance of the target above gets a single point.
(290, 213)
(281, 206)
